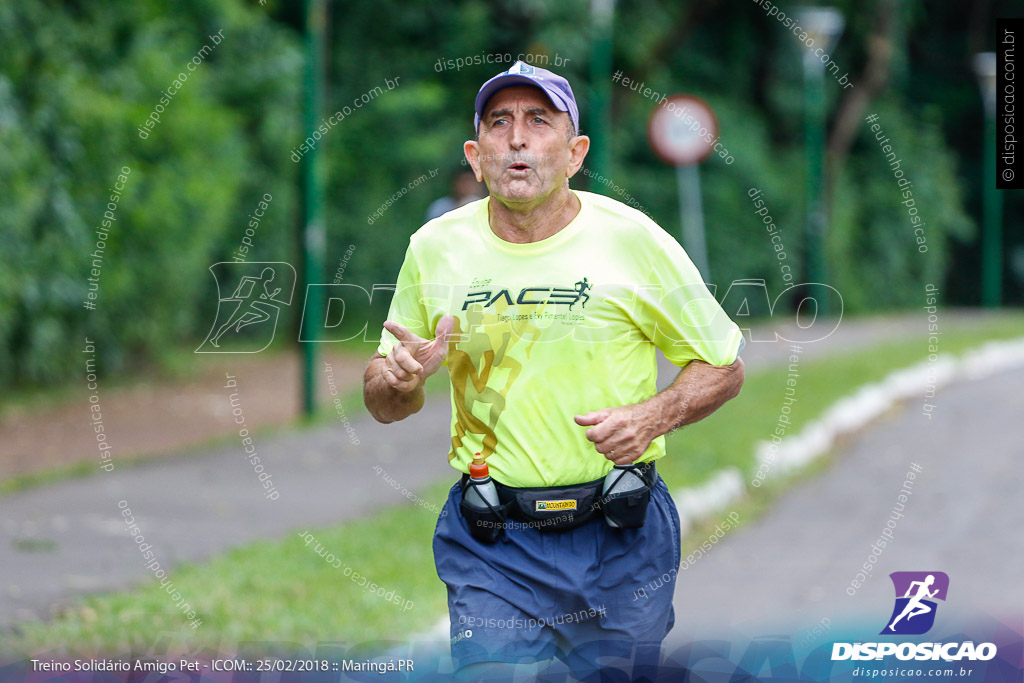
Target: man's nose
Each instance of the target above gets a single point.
(519, 134)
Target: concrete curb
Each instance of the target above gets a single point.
(867, 404)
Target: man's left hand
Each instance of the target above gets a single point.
(622, 433)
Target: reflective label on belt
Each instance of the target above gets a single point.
(556, 504)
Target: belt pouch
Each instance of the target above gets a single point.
(486, 524)
(558, 508)
(628, 509)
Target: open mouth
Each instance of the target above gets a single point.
(519, 167)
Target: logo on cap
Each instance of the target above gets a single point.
(521, 69)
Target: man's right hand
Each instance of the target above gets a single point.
(413, 358)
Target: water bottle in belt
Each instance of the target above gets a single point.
(621, 479)
(481, 490)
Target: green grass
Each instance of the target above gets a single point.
(283, 591)
(20, 482)
(268, 591)
(696, 451)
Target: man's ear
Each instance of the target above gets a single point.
(471, 148)
(578, 148)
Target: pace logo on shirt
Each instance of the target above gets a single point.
(533, 295)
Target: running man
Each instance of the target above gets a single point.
(915, 606)
(582, 286)
(577, 399)
(250, 304)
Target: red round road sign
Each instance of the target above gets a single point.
(682, 131)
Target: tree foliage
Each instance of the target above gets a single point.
(78, 79)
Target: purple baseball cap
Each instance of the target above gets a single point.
(554, 86)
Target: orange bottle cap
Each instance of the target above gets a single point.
(478, 468)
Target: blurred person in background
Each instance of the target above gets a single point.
(465, 189)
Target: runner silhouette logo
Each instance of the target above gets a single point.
(257, 293)
(916, 593)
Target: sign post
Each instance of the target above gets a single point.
(682, 132)
(312, 238)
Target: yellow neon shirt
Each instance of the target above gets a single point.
(552, 329)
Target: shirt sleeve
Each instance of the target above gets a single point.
(675, 310)
(407, 307)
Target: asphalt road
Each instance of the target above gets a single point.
(791, 568)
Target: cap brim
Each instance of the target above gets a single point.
(507, 80)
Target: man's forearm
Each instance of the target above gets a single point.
(384, 402)
(699, 390)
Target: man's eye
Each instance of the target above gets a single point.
(537, 119)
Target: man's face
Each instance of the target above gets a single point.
(525, 149)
